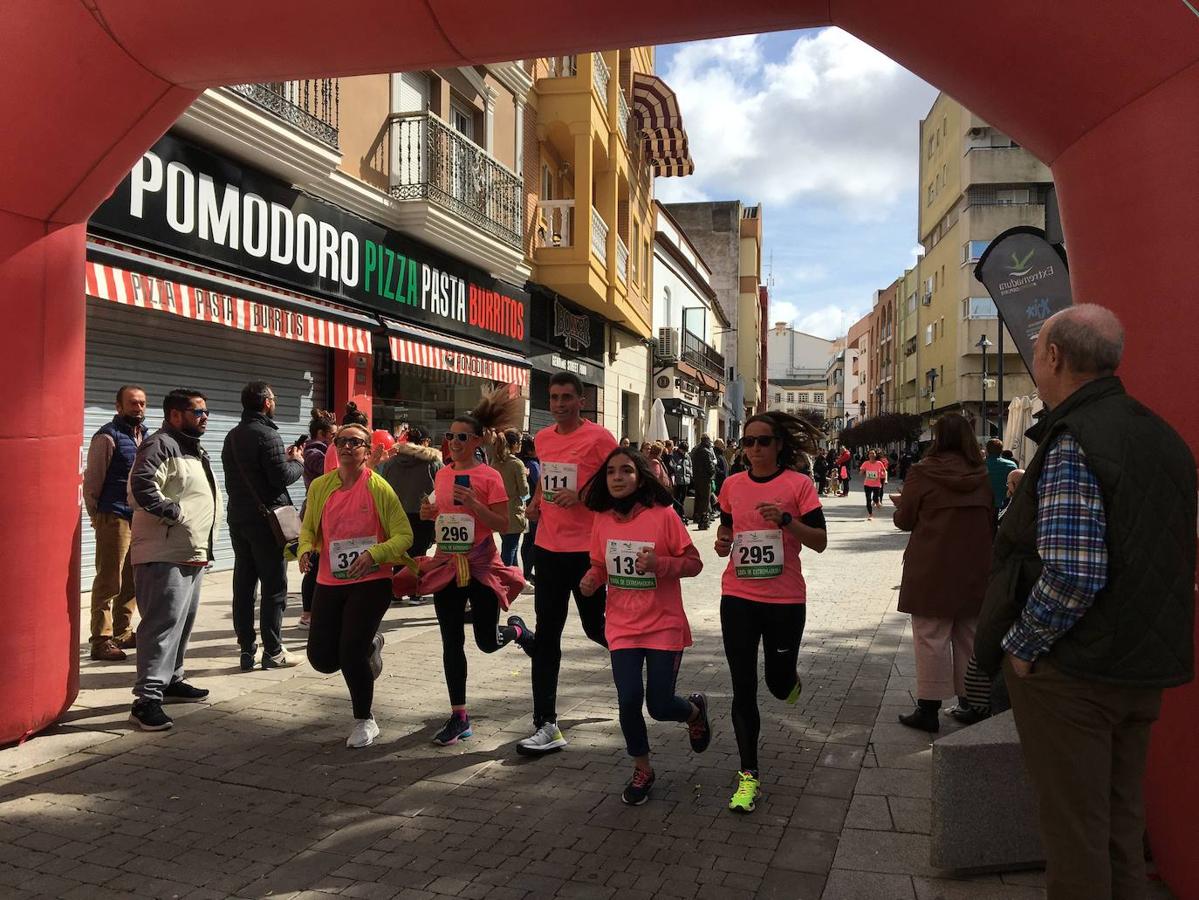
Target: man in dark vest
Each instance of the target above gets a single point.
(105, 498)
(1090, 606)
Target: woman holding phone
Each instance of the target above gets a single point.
(469, 504)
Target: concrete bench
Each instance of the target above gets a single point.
(984, 811)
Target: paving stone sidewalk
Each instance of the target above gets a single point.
(255, 795)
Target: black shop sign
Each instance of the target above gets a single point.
(566, 328)
(189, 202)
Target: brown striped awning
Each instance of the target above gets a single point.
(660, 126)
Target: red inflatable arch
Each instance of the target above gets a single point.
(1108, 94)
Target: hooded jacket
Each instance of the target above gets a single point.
(410, 473)
(175, 500)
(947, 505)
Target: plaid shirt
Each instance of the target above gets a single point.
(1071, 541)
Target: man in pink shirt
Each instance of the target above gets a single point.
(571, 451)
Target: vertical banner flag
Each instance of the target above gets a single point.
(1028, 279)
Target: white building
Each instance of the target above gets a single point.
(688, 373)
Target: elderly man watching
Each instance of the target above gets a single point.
(1090, 606)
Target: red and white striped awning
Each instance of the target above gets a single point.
(107, 282)
(660, 126)
(419, 353)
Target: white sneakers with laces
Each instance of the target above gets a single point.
(364, 733)
(545, 739)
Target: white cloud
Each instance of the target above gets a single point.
(833, 120)
(828, 321)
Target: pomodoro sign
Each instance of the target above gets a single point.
(190, 202)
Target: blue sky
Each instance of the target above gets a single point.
(823, 131)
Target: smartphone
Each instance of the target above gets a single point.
(461, 481)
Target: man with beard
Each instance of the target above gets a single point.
(176, 506)
(105, 488)
(257, 472)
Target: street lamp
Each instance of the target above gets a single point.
(931, 374)
(983, 344)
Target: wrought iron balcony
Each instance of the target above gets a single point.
(431, 161)
(311, 105)
(702, 355)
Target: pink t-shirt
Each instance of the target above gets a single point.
(648, 612)
(874, 474)
(764, 565)
(488, 486)
(349, 525)
(569, 460)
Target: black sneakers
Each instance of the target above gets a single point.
(148, 716)
(456, 728)
(700, 731)
(637, 790)
(182, 692)
(527, 640)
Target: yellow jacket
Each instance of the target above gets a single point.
(393, 551)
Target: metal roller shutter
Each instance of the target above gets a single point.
(163, 352)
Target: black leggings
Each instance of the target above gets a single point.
(657, 693)
(873, 495)
(559, 574)
(450, 604)
(778, 627)
(345, 618)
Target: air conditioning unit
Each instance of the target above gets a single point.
(668, 343)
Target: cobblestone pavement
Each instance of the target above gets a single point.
(255, 795)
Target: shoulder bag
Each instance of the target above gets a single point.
(283, 521)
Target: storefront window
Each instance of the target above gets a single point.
(419, 396)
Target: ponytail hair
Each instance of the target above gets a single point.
(352, 415)
(322, 420)
(499, 410)
(797, 437)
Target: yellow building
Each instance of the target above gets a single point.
(604, 126)
(975, 183)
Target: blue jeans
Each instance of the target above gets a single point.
(509, 545)
(661, 671)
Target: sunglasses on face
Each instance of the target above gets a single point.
(350, 443)
(764, 441)
(458, 436)
(199, 413)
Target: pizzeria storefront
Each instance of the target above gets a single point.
(206, 274)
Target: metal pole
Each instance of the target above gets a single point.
(999, 386)
(983, 381)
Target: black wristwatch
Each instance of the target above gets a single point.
(786, 520)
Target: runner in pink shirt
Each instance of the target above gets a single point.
(640, 549)
(766, 514)
(874, 476)
(571, 451)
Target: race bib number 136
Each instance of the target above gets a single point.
(621, 557)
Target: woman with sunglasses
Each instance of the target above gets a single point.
(469, 505)
(767, 513)
(355, 522)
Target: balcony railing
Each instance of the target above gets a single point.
(703, 356)
(599, 234)
(622, 108)
(556, 223)
(622, 260)
(600, 76)
(311, 105)
(431, 161)
(562, 66)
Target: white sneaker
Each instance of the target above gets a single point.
(281, 660)
(545, 739)
(376, 660)
(364, 733)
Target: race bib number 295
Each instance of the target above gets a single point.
(758, 554)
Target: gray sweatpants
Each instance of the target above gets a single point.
(168, 597)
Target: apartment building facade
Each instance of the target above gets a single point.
(975, 183)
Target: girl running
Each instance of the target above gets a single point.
(469, 505)
(640, 549)
(874, 476)
(766, 513)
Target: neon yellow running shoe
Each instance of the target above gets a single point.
(793, 697)
(745, 798)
